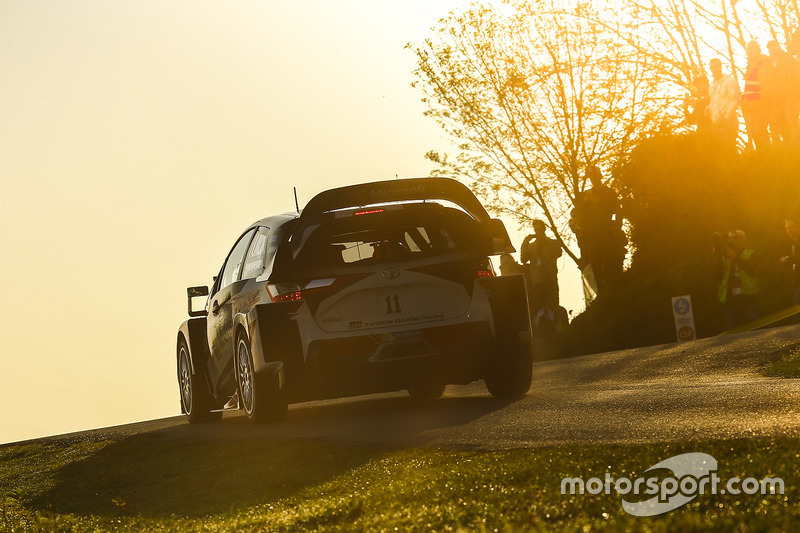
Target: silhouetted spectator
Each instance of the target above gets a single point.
(578, 225)
(754, 108)
(509, 267)
(597, 224)
(695, 105)
(539, 254)
(738, 287)
(793, 259)
(782, 87)
(724, 101)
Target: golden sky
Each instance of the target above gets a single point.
(139, 139)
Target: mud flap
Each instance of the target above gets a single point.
(508, 298)
(508, 373)
(275, 342)
(275, 369)
(193, 332)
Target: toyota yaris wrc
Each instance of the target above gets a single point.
(375, 287)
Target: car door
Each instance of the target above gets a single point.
(221, 311)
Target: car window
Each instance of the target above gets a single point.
(389, 237)
(254, 260)
(412, 241)
(234, 263)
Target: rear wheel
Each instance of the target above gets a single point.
(511, 373)
(196, 401)
(259, 394)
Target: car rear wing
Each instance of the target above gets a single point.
(402, 190)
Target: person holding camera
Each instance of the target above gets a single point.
(738, 288)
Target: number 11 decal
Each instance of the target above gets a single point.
(389, 301)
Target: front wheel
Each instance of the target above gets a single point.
(196, 401)
(511, 373)
(259, 394)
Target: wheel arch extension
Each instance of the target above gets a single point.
(241, 329)
(248, 328)
(273, 337)
(193, 332)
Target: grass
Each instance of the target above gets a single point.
(786, 367)
(154, 482)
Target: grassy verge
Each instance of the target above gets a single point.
(153, 483)
(786, 367)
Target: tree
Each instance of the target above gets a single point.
(533, 92)
(680, 36)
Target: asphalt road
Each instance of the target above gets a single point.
(710, 388)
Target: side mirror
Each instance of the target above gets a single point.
(501, 242)
(196, 292)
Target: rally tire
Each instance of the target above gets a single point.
(510, 375)
(260, 395)
(196, 401)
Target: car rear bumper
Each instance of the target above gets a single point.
(365, 364)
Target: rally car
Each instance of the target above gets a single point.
(376, 287)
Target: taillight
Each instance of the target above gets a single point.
(462, 272)
(284, 292)
(485, 270)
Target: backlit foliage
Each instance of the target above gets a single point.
(533, 91)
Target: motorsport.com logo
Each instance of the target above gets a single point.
(693, 474)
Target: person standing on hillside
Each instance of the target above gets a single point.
(724, 97)
(539, 254)
(602, 240)
(754, 104)
(738, 288)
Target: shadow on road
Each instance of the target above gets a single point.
(195, 471)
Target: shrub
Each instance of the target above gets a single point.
(676, 191)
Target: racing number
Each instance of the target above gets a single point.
(393, 304)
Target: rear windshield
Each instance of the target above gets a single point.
(393, 235)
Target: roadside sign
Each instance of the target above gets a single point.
(684, 318)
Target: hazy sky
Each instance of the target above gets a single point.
(138, 139)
